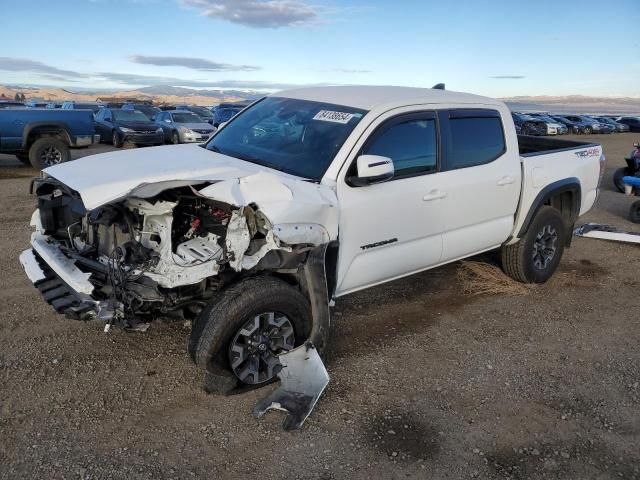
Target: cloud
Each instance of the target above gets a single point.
(508, 77)
(190, 62)
(21, 65)
(258, 13)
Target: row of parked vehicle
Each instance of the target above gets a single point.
(539, 123)
(42, 137)
(146, 124)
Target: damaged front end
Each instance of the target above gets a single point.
(154, 252)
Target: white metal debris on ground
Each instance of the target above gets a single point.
(606, 232)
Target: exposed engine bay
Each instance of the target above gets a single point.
(165, 254)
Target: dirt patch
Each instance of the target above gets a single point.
(577, 458)
(583, 273)
(402, 437)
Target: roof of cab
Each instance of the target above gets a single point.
(368, 97)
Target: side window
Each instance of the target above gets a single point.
(411, 144)
(474, 141)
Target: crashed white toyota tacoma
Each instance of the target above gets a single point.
(305, 196)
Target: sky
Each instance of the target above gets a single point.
(498, 48)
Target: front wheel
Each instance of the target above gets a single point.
(617, 178)
(536, 256)
(587, 130)
(238, 337)
(116, 139)
(175, 138)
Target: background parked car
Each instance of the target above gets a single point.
(529, 125)
(226, 111)
(604, 126)
(11, 104)
(120, 125)
(53, 105)
(587, 126)
(149, 110)
(180, 126)
(632, 122)
(553, 126)
(572, 127)
(34, 104)
(72, 105)
(619, 127)
(202, 112)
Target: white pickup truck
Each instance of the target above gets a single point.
(305, 196)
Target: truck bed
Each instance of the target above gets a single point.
(530, 146)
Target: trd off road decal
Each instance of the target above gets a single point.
(591, 152)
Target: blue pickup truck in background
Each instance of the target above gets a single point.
(42, 137)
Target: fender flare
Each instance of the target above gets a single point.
(571, 184)
(54, 125)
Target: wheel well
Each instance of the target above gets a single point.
(40, 132)
(565, 196)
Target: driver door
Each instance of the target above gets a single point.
(393, 228)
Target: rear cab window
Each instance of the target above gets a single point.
(472, 137)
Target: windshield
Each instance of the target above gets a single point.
(186, 118)
(201, 111)
(129, 116)
(295, 136)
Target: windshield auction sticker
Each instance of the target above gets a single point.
(331, 116)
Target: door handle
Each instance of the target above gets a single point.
(506, 181)
(434, 195)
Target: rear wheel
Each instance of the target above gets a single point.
(634, 212)
(47, 152)
(238, 337)
(537, 255)
(617, 178)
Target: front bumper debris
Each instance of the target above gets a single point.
(57, 293)
(303, 378)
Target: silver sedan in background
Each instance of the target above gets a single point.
(180, 126)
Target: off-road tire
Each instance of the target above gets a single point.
(517, 259)
(24, 158)
(40, 146)
(617, 178)
(217, 324)
(634, 212)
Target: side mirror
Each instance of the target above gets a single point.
(372, 169)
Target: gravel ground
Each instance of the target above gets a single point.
(427, 382)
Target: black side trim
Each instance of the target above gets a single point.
(571, 184)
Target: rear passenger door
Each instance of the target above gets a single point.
(481, 177)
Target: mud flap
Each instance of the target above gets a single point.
(606, 232)
(303, 378)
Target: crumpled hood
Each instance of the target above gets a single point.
(144, 173)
